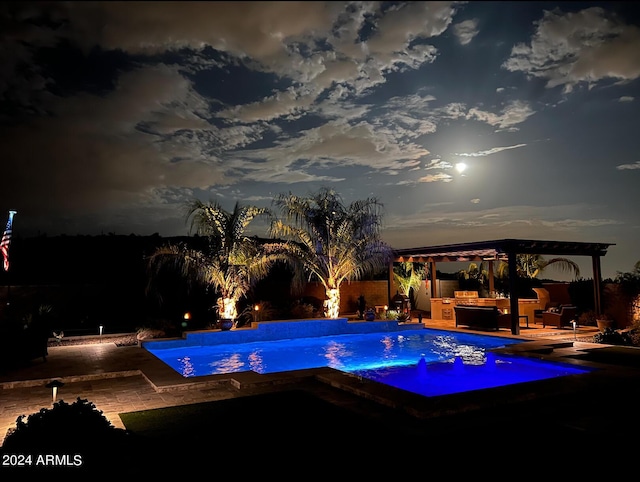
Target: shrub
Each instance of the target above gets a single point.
(149, 333)
(391, 315)
(265, 312)
(168, 327)
(587, 318)
(634, 336)
(612, 337)
(76, 430)
(301, 310)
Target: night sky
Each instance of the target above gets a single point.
(114, 114)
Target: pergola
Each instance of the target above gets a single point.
(504, 250)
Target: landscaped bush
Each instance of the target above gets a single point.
(77, 434)
(265, 312)
(301, 310)
(167, 327)
(613, 337)
(391, 314)
(149, 334)
(587, 318)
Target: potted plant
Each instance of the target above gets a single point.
(370, 315)
(226, 324)
(605, 321)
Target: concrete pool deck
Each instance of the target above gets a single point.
(128, 379)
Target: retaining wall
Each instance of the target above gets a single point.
(279, 330)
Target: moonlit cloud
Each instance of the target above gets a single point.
(633, 166)
(436, 178)
(488, 152)
(511, 115)
(588, 46)
(525, 218)
(466, 31)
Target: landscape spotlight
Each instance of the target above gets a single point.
(54, 384)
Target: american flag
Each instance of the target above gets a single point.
(6, 240)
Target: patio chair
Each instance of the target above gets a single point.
(564, 317)
(552, 306)
(544, 303)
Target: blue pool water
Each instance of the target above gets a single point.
(428, 362)
(456, 375)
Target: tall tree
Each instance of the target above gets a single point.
(332, 241)
(232, 263)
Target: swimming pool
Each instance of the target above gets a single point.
(417, 361)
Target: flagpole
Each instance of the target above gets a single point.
(8, 288)
(8, 291)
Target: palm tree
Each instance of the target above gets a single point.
(531, 265)
(473, 277)
(232, 262)
(407, 276)
(333, 242)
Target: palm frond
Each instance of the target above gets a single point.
(335, 242)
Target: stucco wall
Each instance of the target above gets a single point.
(375, 293)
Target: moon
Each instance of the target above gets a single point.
(461, 167)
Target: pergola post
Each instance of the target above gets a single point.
(513, 293)
(434, 276)
(390, 282)
(491, 283)
(597, 282)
